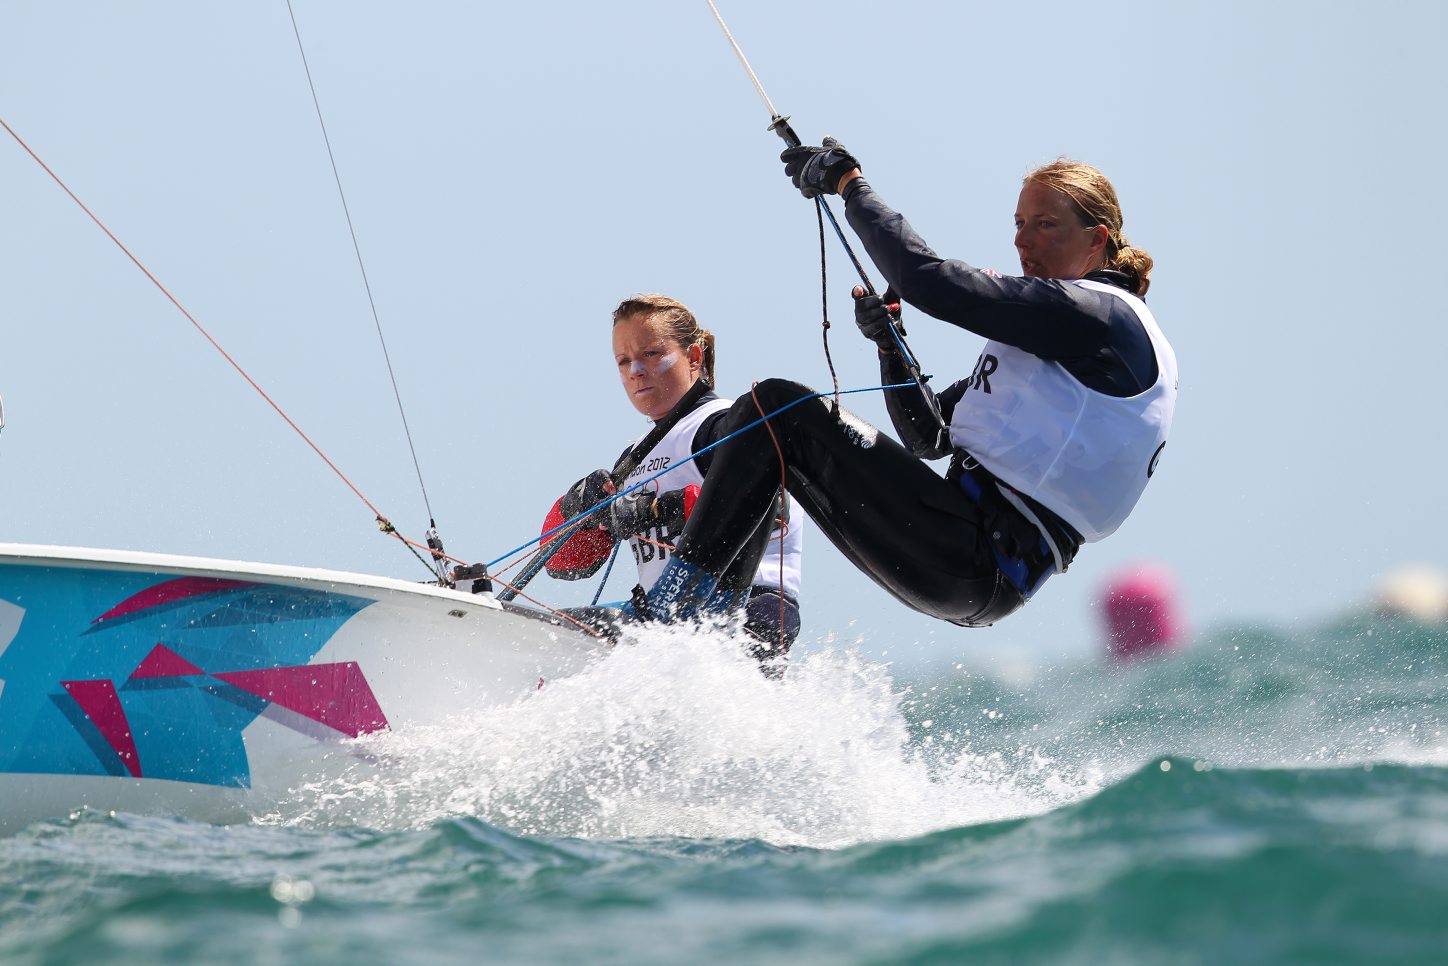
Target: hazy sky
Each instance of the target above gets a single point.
(513, 173)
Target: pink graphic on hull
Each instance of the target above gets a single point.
(170, 591)
(335, 695)
(163, 662)
(102, 707)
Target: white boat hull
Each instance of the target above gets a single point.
(205, 689)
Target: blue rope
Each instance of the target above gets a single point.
(905, 351)
(607, 570)
(644, 482)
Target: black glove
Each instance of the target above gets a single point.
(672, 508)
(817, 171)
(641, 510)
(586, 494)
(875, 317)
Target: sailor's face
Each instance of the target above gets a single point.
(1050, 238)
(655, 372)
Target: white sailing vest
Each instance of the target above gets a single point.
(1085, 455)
(669, 454)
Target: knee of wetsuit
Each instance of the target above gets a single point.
(766, 399)
(773, 393)
(1004, 601)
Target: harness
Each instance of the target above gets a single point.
(1021, 541)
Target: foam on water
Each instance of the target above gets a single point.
(678, 734)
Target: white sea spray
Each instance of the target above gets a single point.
(677, 733)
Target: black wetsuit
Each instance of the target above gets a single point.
(919, 535)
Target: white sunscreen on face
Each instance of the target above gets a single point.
(665, 363)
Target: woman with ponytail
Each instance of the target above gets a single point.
(1052, 436)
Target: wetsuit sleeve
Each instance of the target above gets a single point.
(918, 414)
(1044, 317)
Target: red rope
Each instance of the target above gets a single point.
(382, 522)
(552, 610)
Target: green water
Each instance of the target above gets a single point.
(1264, 797)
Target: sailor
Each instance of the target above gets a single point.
(665, 362)
(1052, 437)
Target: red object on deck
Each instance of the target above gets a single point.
(1143, 612)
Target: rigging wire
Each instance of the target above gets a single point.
(607, 570)
(382, 522)
(739, 52)
(779, 124)
(571, 521)
(434, 542)
(543, 539)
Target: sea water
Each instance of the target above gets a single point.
(1265, 796)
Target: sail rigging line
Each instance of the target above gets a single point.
(518, 592)
(550, 540)
(548, 544)
(739, 52)
(566, 524)
(382, 520)
(433, 540)
(779, 124)
(606, 571)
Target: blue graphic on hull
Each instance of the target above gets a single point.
(114, 673)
